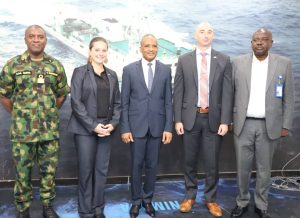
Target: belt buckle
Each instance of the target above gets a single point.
(202, 110)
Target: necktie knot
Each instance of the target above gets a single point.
(149, 64)
(203, 54)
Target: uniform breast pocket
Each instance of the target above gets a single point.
(50, 84)
(24, 81)
(50, 79)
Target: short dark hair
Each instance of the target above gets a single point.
(146, 35)
(35, 26)
(262, 30)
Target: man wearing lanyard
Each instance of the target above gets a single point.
(262, 113)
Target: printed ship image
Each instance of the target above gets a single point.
(124, 39)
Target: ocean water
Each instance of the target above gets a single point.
(234, 22)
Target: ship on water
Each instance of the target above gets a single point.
(123, 36)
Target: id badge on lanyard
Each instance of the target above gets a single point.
(279, 87)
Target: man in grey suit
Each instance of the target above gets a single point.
(146, 119)
(262, 113)
(202, 111)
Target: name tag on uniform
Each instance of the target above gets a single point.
(279, 87)
(23, 73)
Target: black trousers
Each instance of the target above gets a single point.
(200, 138)
(93, 159)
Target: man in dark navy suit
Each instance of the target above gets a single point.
(146, 119)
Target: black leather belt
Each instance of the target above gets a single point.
(255, 118)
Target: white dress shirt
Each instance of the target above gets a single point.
(257, 99)
(146, 67)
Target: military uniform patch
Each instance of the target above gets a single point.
(23, 73)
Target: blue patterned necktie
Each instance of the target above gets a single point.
(150, 77)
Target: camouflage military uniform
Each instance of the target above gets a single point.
(33, 88)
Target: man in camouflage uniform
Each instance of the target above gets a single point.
(33, 87)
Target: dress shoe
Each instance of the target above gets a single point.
(186, 205)
(49, 212)
(24, 214)
(149, 209)
(261, 213)
(134, 210)
(214, 209)
(238, 211)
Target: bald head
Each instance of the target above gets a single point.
(204, 25)
(204, 35)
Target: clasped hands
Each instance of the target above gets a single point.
(103, 130)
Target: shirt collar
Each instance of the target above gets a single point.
(26, 57)
(144, 61)
(208, 51)
(255, 60)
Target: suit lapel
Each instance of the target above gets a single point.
(248, 68)
(111, 83)
(271, 70)
(194, 67)
(213, 67)
(140, 73)
(92, 78)
(156, 75)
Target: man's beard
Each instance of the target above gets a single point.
(260, 53)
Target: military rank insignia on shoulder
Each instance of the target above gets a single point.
(51, 73)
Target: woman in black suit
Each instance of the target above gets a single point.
(95, 102)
